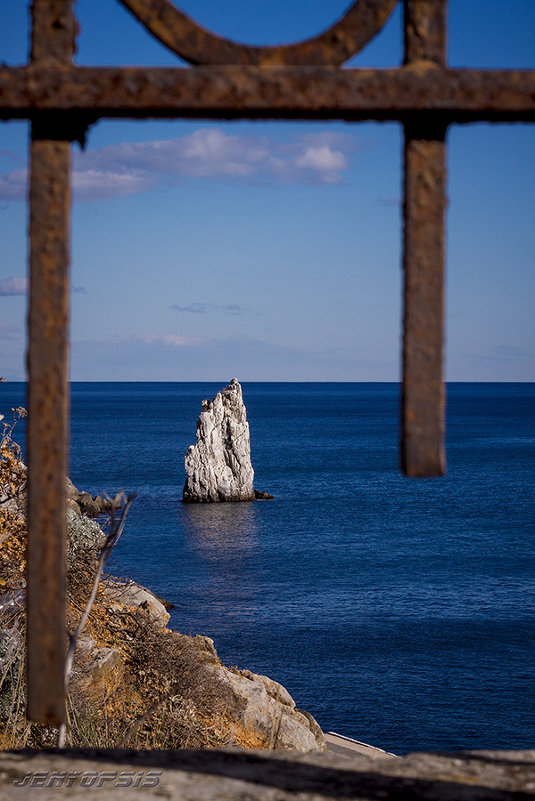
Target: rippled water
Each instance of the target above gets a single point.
(397, 611)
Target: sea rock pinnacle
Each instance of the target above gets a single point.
(219, 466)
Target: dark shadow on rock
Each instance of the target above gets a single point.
(318, 778)
(496, 759)
(261, 495)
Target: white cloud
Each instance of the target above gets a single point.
(207, 154)
(326, 161)
(14, 285)
(89, 184)
(13, 185)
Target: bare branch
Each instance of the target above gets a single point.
(111, 541)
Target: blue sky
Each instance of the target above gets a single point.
(269, 250)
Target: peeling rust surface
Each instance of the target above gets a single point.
(88, 93)
(47, 426)
(54, 30)
(425, 31)
(195, 44)
(423, 394)
(53, 36)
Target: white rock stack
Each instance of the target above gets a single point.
(219, 466)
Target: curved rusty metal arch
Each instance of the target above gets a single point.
(195, 44)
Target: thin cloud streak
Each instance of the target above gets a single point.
(14, 285)
(157, 357)
(13, 186)
(207, 154)
(171, 340)
(501, 354)
(18, 285)
(10, 332)
(202, 308)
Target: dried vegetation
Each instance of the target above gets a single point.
(134, 683)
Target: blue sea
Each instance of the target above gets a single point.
(397, 611)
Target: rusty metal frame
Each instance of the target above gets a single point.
(230, 81)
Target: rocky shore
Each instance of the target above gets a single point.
(135, 682)
(240, 707)
(83, 503)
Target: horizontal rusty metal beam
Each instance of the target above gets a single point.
(276, 92)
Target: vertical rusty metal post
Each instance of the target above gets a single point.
(48, 403)
(425, 31)
(423, 394)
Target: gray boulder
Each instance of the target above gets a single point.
(269, 711)
(128, 593)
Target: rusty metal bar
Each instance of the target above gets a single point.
(423, 402)
(423, 393)
(185, 37)
(425, 31)
(54, 30)
(47, 426)
(455, 96)
(52, 42)
(61, 100)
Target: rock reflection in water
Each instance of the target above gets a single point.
(221, 530)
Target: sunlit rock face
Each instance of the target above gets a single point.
(219, 466)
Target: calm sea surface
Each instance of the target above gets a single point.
(398, 611)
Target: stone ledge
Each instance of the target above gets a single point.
(278, 776)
